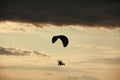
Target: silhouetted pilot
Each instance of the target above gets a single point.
(60, 63)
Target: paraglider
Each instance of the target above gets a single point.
(60, 63)
(65, 42)
(63, 38)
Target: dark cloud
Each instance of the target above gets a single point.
(83, 12)
(19, 52)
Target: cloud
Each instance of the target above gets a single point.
(19, 52)
(104, 60)
(84, 77)
(3, 76)
(10, 26)
(88, 46)
(45, 67)
(49, 74)
(115, 60)
(40, 54)
(83, 12)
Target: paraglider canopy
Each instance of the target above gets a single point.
(63, 38)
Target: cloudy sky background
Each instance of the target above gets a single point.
(26, 50)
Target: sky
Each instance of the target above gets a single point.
(27, 28)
